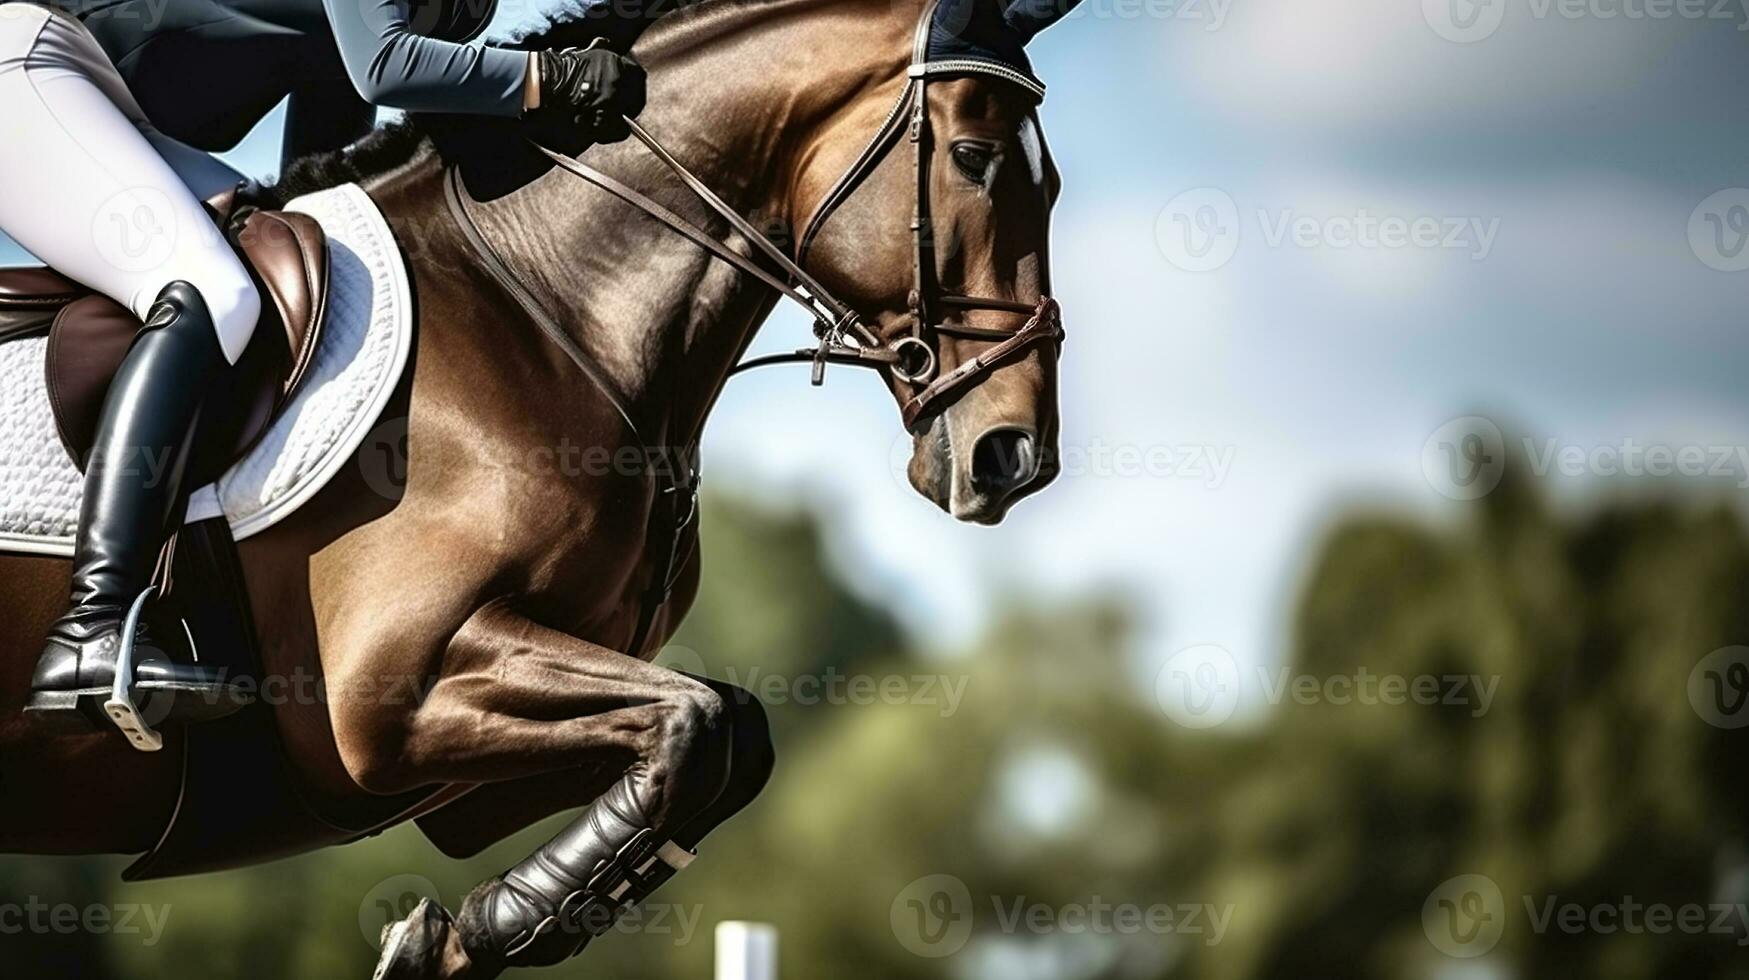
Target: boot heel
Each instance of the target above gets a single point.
(59, 713)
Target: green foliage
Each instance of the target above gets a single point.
(1590, 779)
(1051, 778)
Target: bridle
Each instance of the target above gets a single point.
(843, 337)
(916, 363)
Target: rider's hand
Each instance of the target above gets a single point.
(594, 87)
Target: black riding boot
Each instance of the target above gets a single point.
(575, 888)
(133, 497)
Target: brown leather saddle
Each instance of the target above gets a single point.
(90, 334)
(240, 797)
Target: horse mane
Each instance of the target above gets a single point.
(388, 147)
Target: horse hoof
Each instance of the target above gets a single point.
(413, 948)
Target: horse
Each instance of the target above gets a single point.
(522, 602)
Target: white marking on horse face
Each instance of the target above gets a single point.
(990, 173)
(1032, 148)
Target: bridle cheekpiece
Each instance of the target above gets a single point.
(841, 335)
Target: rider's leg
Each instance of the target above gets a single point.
(200, 171)
(88, 190)
(87, 193)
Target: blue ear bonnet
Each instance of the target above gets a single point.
(992, 32)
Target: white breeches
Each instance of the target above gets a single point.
(90, 188)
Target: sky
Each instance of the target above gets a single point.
(1297, 240)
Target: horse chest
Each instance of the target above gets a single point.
(599, 568)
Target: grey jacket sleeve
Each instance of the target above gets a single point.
(394, 67)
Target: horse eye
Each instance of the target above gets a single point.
(974, 161)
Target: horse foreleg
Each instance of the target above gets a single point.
(511, 699)
(493, 813)
(516, 697)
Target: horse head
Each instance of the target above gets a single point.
(922, 224)
(936, 235)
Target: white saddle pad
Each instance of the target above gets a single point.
(366, 339)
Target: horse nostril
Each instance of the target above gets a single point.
(1003, 459)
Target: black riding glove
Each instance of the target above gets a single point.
(594, 87)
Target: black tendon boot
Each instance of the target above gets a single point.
(133, 494)
(546, 909)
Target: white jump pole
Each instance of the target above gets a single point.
(746, 951)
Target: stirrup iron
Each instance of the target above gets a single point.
(120, 707)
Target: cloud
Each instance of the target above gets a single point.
(1331, 66)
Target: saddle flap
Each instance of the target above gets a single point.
(34, 287)
(289, 255)
(87, 343)
(288, 258)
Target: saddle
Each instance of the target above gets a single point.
(241, 800)
(90, 334)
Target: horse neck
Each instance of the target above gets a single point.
(662, 321)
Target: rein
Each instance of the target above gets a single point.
(835, 322)
(843, 337)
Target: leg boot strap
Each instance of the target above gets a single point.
(546, 909)
(632, 876)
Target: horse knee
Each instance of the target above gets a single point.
(693, 735)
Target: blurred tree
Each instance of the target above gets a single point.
(1590, 779)
(1036, 770)
(42, 928)
(772, 611)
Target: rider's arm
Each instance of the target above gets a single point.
(392, 66)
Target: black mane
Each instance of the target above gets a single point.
(379, 152)
(578, 24)
(391, 146)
